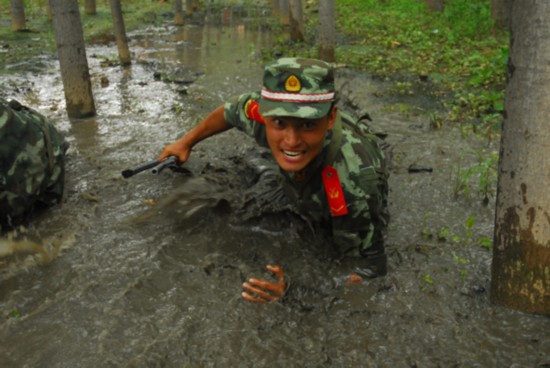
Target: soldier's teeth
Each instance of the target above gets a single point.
(292, 154)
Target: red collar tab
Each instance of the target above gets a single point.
(335, 194)
(251, 110)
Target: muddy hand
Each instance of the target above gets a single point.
(353, 279)
(261, 291)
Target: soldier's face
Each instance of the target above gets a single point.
(295, 142)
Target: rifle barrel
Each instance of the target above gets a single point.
(155, 165)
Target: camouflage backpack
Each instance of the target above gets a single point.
(31, 163)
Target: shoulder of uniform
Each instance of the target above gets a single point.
(251, 109)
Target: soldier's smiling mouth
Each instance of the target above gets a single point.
(293, 155)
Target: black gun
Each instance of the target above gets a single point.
(157, 167)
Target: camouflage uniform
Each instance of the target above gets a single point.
(348, 147)
(31, 163)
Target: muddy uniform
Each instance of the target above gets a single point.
(31, 162)
(344, 188)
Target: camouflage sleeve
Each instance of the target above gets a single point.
(240, 114)
(361, 167)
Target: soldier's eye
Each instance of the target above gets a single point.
(277, 122)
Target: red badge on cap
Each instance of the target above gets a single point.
(335, 194)
(251, 110)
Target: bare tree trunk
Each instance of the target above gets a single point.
(195, 4)
(296, 20)
(89, 7)
(500, 11)
(327, 30)
(189, 7)
(48, 10)
(178, 13)
(120, 33)
(72, 58)
(435, 5)
(275, 7)
(17, 8)
(521, 254)
(284, 12)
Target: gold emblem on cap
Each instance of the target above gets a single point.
(293, 84)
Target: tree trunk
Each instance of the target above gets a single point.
(500, 11)
(195, 4)
(327, 30)
(120, 33)
(521, 254)
(17, 15)
(89, 7)
(48, 10)
(189, 7)
(284, 12)
(72, 58)
(178, 13)
(435, 5)
(296, 20)
(275, 7)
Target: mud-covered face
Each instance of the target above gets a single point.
(295, 142)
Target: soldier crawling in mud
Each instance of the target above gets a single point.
(31, 163)
(332, 162)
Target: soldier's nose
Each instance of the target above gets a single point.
(292, 137)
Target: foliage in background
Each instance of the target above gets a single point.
(136, 14)
(39, 41)
(457, 53)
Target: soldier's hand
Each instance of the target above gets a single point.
(353, 279)
(261, 291)
(178, 149)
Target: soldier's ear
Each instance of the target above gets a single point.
(332, 117)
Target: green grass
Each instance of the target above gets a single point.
(459, 52)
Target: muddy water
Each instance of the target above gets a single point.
(109, 290)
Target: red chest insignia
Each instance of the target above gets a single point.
(335, 194)
(251, 110)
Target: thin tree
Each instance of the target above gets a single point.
(195, 4)
(521, 253)
(189, 6)
(275, 7)
(120, 33)
(284, 12)
(500, 12)
(296, 20)
(178, 13)
(71, 52)
(17, 8)
(48, 10)
(90, 7)
(327, 30)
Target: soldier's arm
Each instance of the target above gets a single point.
(213, 124)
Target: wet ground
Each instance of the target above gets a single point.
(109, 290)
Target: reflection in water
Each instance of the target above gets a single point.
(84, 134)
(126, 100)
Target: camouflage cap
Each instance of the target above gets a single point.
(297, 87)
